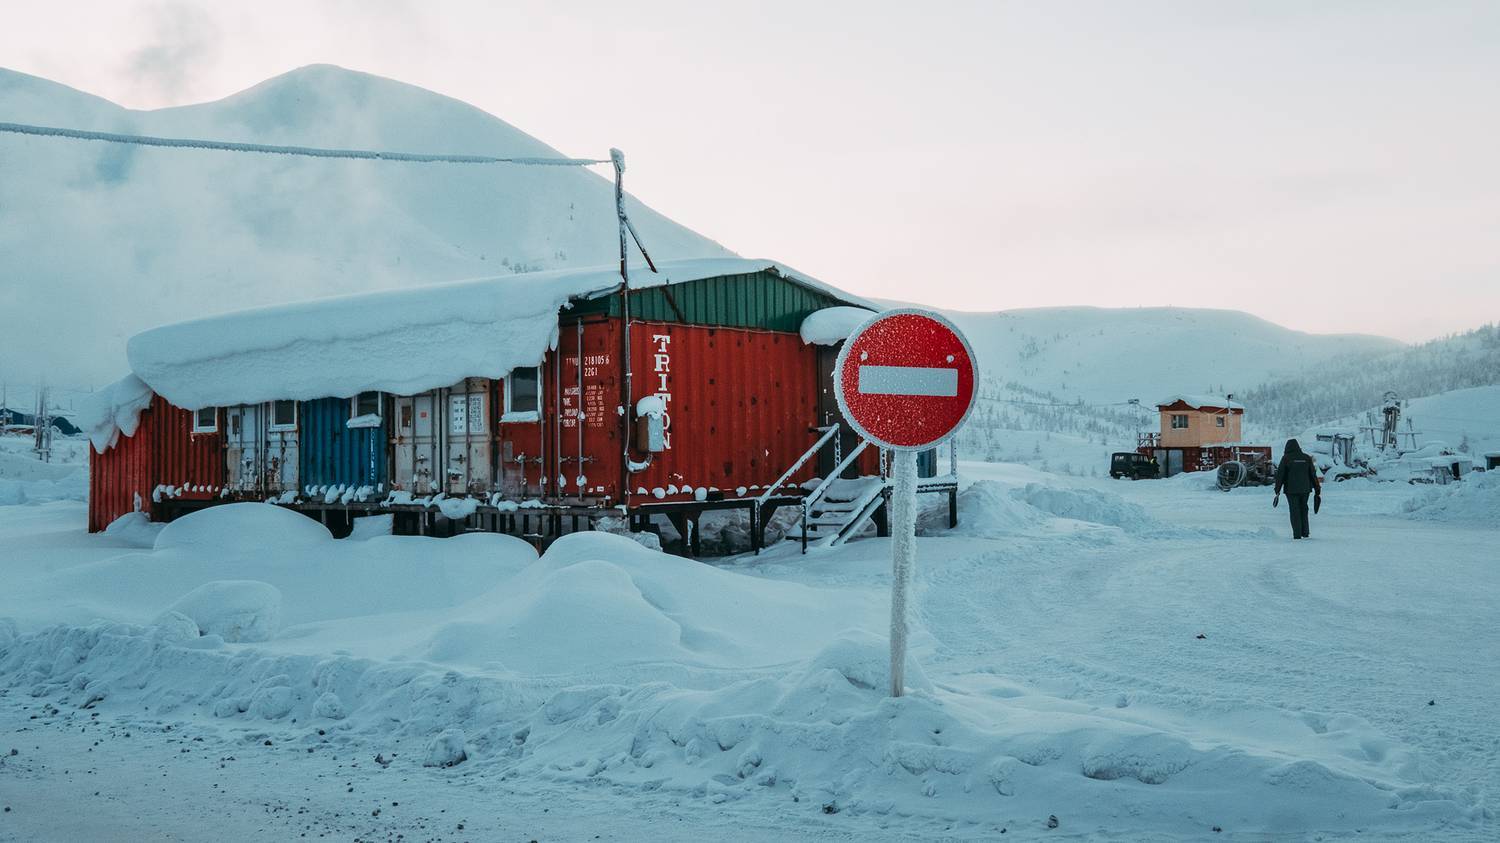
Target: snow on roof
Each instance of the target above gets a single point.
(113, 410)
(1202, 401)
(402, 341)
(832, 325)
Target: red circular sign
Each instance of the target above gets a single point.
(905, 379)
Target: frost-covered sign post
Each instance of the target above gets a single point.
(905, 381)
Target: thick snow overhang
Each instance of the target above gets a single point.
(401, 341)
(833, 325)
(1200, 402)
(114, 410)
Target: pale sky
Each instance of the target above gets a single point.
(1331, 166)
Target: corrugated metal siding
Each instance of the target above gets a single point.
(163, 452)
(761, 300)
(741, 405)
(120, 476)
(333, 454)
(193, 462)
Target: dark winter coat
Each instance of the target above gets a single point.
(1297, 473)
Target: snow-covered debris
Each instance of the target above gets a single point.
(651, 405)
(1474, 500)
(833, 325)
(370, 526)
(114, 410)
(446, 749)
(235, 610)
(399, 341)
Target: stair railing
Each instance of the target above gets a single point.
(822, 488)
(760, 500)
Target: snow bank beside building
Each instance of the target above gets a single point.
(25, 479)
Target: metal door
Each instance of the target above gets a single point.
(414, 445)
(467, 439)
(243, 448)
(1174, 462)
(280, 458)
(828, 413)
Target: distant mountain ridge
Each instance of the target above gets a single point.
(99, 241)
(1113, 355)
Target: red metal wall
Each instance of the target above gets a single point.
(119, 475)
(163, 452)
(193, 462)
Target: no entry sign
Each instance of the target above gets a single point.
(905, 379)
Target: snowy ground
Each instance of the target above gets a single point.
(1140, 660)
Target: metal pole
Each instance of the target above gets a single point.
(618, 159)
(903, 557)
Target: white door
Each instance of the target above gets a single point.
(243, 439)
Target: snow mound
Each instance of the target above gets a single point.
(599, 600)
(134, 529)
(25, 479)
(370, 526)
(833, 325)
(1091, 505)
(986, 509)
(242, 525)
(235, 610)
(1474, 500)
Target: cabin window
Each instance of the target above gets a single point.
(523, 395)
(283, 415)
(234, 424)
(1179, 421)
(206, 420)
(365, 410)
(1218, 421)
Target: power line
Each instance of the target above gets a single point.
(305, 151)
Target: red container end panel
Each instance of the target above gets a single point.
(121, 478)
(164, 452)
(739, 406)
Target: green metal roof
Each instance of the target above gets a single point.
(763, 299)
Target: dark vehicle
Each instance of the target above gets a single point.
(1133, 465)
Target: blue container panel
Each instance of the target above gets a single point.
(333, 454)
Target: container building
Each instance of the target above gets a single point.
(543, 402)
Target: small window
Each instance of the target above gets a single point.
(366, 410)
(523, 395)
(1218, 421)
(235, 424)
(283, 415)
(206, 420)
(1179, 421)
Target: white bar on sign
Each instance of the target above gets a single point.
(908, 380)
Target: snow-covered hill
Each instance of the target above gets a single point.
(99, 241)
(1104, 355)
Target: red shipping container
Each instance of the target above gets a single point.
(163, 452)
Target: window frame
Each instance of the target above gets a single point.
(1175, 417)
(1219, 422)
(379, 413)
(271, 417)
(512, 415)
(199, 427)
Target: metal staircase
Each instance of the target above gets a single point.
(842, 510)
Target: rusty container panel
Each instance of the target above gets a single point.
(741, 404)
(191, 462)
(580, 397)
(121, 478)
(334, 454)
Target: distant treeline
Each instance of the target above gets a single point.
(1354, 383)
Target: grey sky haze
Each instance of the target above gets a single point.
(1330, 166)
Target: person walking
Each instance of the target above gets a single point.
(1298, 475)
